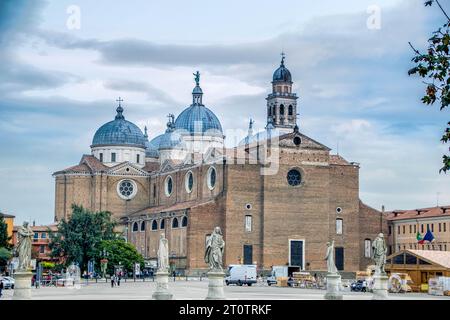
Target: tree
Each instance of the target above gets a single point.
(119, 251)
(78, 238)
(4, 238)
(434, 66)
(5, 255)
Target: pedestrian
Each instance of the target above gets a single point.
(112, 281)
(1, 288)
(174, 275)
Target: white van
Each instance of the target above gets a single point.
(241, 274)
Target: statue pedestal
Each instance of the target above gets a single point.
(380, 287)
(162, 286)
(22, 285)
(333, 287)
(215, 285)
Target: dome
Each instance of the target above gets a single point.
(198, 119)
(171, 140)
(282, 73)
(119, 132)
(152, 150)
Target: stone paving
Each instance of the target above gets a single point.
(194, 290)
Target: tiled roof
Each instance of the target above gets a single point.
(53, 227)
(439, 257)
(151, 166)
(88, 164)
(441, 211)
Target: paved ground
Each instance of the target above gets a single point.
(193, 290)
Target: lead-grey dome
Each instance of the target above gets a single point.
(282, 74)
(119, 132)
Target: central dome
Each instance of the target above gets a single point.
(119, 132)
(198, 119)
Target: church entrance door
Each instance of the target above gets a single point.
(248, 254)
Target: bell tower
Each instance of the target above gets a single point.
(282, 102)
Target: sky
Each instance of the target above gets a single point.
(64, 63)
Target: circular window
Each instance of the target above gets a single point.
(126, 189)
(248, 206)
(294, 177)
(211, 178)
(168, 186)
(297, 141)
(338, 210)
(189, 181)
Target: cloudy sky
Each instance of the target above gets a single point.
(59, 83)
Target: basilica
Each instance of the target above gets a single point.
(278, 196)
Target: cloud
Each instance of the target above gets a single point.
(153, 94)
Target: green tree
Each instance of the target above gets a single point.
(434, 66)
(119, 251)
(5, 255)
(78, 238)
(4, 238)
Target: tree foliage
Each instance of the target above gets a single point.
(5, 255)
(434, 66)
(4, 238)
(119, 251)
(78, 239)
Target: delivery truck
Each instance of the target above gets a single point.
(240, 274)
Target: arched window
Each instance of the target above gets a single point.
(168, 186)
(135, 227)
(189, 182)
(143, 226)
(161, 225)
(290, 110)
(281, 109)
(175, 223)
(274, 112)
(270, 111)
(211, 176)
(154, 225)
(184, 222)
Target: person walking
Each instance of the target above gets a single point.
(112, 281)
(118, 279)
(1, 288)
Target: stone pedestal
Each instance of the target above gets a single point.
(380, 287)
(162, 286)
(215, 285)
(22, 285)
(333, 287)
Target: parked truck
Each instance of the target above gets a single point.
(241, 274)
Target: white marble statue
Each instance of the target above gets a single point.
(379, 251)
(214, 250)
(331, 266)
(23, 248)
(163, 254)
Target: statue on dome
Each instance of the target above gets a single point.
(197, 78)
